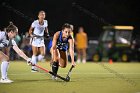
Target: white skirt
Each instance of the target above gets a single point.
(37, 42)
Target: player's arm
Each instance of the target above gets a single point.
(47, 32)
(55, 37)
(33, 25)
(31, 31)
(53, 48)
(86, 38)
(19, 52)
(71, 51)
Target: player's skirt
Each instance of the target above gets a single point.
(37, 42)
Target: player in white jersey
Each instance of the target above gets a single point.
(6, 40)
(36, 31)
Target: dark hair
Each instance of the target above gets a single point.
(41, 12)
(66, 25)
(11, 27)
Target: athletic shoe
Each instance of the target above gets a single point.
(83, 61)
(34, 70)
(6, 80)
(54, 77)
(78, 61)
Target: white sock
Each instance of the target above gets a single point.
(84, 60)
(40, 57)
(78, 60)
(34, 61)
(4, 68)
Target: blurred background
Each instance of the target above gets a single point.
(91, 14)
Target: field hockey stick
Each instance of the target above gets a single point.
(62, 78)
(69, 73)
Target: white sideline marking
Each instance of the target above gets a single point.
(75, 73)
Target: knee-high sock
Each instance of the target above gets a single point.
(4, 68)
(55, 67)
(40, 57)
(34, 61)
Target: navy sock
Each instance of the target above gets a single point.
(55, 67)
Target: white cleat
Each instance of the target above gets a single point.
(78, 61)
(84, 61)
(54, 78)
(6, 80)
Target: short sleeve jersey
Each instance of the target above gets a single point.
(39, 29)
(4, 38)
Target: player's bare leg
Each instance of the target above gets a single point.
(78, 55)
(42, 53)
(63, 59)
(84, 55)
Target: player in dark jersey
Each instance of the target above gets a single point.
(6, 40)
(62, 42)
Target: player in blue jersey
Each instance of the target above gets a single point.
(62, 42)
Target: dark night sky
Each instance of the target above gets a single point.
(115, 12)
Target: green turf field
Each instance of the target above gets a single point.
(85, 78)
